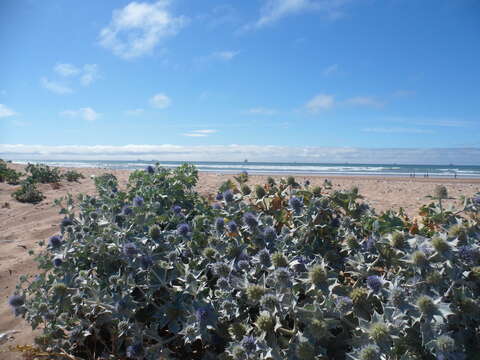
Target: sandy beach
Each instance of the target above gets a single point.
(23, 225)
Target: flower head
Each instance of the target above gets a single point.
(374, 282)
(130, 249)
(251, 220)
(135, 351)
(344, 304)
(176, 209)
(138, 201)
(228, 195)
(146, 261)
(219, 196)
(216, 206)
(264, 258)
(16, 301)
(150, 169)
(66, 222)
(269, 234)
(219, 224)
(183, 229)
(55, 241)
(232, 226)
(249, 343)
(296, 204)
(223, 284)
(127, 210)
(57, 261)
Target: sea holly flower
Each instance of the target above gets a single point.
(16, 301)
(219, 224)
(150, 169)
(228, 196)
(127, 210)
(232, 227)
(183, 229)
(264, 258)
(130, 249)
(138, 201)
(66, 222)
(55, 241)
(177, 209)
(296, 204)
(135, 351)
(57, 261)
(217, 206)
(374, 283)
(146, 261)
(269, 234)
(219, 196)
(251, 220)
(249, 344)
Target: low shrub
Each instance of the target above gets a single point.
(28, 193)
(73, 176)
(157, 272)
(44, 174)
(10, 176)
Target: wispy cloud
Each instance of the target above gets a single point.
(275, 10)
(160, 101)
(465, 155)
(397, 130)
(320, 102)
(225, 55)
(89, 74)
(134, 112)
(262, 111)
(6, 111)
(86, 113)
(139, 27)
(330, 70)
(200, 133)
(365, 101)
(55, 87)
(404, 93)
(457, 123)
(66, 70)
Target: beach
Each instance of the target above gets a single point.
(23, 225)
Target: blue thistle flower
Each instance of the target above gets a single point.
(16, 301)
(223, 284)
(176, 209)
(138, 201)
(114, 190)
(264, 258)
(282, 275)
(228, 195)
(202, 314)
(251, 220)
(66, 222)
(217, 206)
(183, 229)
(135, 351)
(374, 282)
(57, 261)
(469, 254)
(344, 304)
(243, 265)
(221, 269)
(127, 210)
(296, 204)
(146, 261)
(232, 226)
(369, 245)
(130, 249)
(55, 241)
(249, 343)
(269, 234)
(219, 196)
(476, 200)
(219, 224)
(150, 169)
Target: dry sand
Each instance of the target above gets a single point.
(23, 225)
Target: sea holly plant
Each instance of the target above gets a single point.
(156, 271)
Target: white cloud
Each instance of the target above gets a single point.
(55, 87)
(433, 122)
(404, 93)
(138, 28)
(134, 112)
(397, 130)
(320, 102)
(160, 101)
(262, 111)
(275, 10)
(86, 113)
(6, 111)
(200, 133)
(225, 55)
(459, 156)
(89, 74)
(66, 70)
(365, 101)
(330, 70)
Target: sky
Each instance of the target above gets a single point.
(270, 80)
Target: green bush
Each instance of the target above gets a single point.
(73, 176)
(10, 176)
(44, 174)
(156, 272)
(28, 193)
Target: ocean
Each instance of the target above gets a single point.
(444, 171)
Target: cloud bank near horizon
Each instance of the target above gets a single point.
(268, 153)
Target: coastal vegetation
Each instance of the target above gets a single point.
(283, 271)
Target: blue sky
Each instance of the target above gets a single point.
(291, 74)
